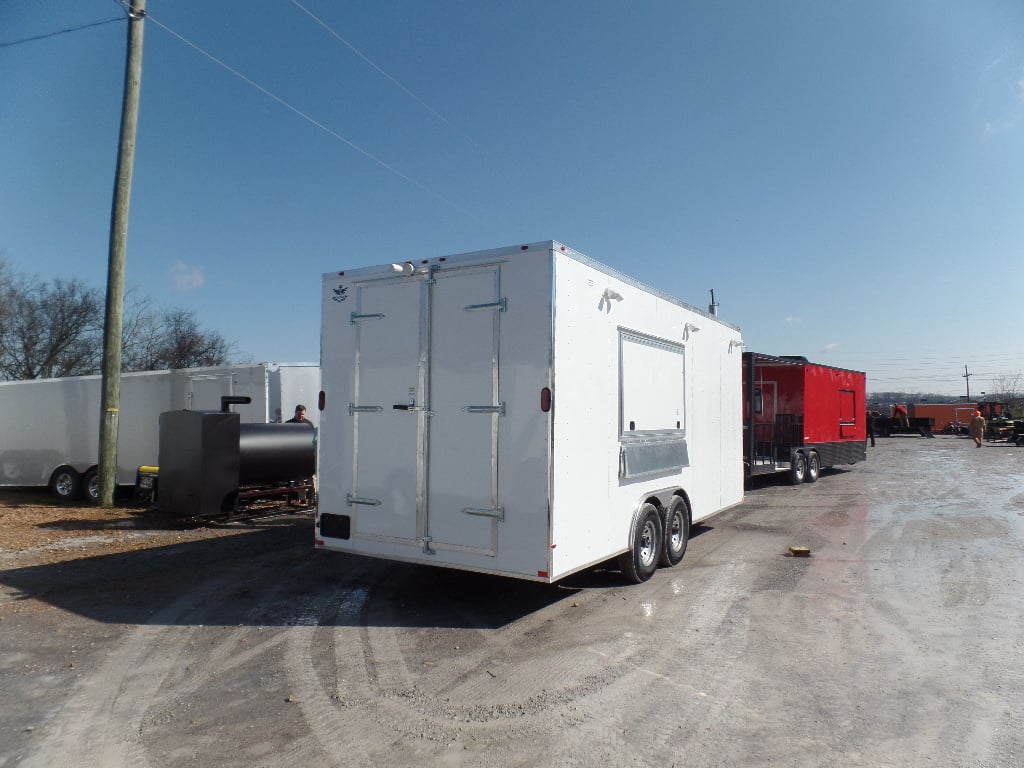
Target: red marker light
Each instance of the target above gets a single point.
(545, 399)
(542, 574)
(321, 400)
(524, 247)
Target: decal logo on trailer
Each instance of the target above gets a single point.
(340, 293)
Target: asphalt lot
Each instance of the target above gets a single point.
(898, 642)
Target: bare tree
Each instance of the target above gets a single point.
(185, 345)
(48, 329)
(1009, 390)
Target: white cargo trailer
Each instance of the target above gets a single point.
(49, 428)
(522, 411)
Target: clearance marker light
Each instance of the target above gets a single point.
(545, 399)
(542, 574)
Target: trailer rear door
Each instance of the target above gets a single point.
(426, 416)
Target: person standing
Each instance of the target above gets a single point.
(871, 427)
(300, 416)
(977, 428)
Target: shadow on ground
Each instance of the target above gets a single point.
(270, 575)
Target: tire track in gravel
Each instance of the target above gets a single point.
(389, 696)
(101, 723)
(327, 705)
(142, 682)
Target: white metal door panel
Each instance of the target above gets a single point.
(462, 478)
(206, 389)
(387, 374)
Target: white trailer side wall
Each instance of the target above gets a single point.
(48, 423)
(592, 503)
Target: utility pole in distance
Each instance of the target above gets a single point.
(136, 10)
(967, 378)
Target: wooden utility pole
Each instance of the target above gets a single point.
(967, 378)
(118, 241)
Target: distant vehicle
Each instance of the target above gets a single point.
(49, 428)
(800, 417)
(950, 418)
(522, 411)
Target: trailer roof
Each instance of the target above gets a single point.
(510, 250)
(795, 360)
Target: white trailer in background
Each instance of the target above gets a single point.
(49, 428)
(522, 411)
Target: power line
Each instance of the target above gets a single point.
(60, 32)
(394, 80)
(369, 61)
(307, 118)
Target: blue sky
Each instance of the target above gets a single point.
(847, 176)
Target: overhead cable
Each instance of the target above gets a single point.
(306, 117)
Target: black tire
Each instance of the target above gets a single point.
(813, 467)
(798, 469)
(66, 484)
(646, 541)
(677, 532)
(91, 485)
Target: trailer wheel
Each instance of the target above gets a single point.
(677, 532)
(91, 483)
(813, 467)
(798, 469)
(641, 561)
(66, 484)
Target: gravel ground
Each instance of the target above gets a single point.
(126, 639)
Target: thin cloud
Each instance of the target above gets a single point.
(186, 277)
(830, 347)
(791, 320)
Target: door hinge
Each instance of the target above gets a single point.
(498, 409)
(498, 513)
(355, 317)
(500, 305)
(353, 408)
(351, 500)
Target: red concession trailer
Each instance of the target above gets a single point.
(800, 416)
